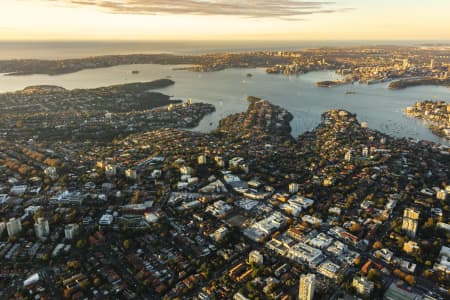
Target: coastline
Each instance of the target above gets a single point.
(330, 83)
(405, 83)
(435, 114)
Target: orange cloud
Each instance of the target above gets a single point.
(285, 9)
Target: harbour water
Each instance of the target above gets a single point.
(228, 90)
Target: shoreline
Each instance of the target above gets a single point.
(330, 83)
(405, 83)
(435, 114)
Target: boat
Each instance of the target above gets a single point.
(135, 72)
(249, 74)
(350, 92)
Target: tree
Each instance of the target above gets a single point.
(355, 227)
(67, 293)
(84, 284)
(255, 273)
(401, 241)
(250, 287)
(97, 281)
(267, 271)
(427, 273)
(73, 264)
(64, 180)
(135, 198)
(37, 215)
(410, 279)
(399, 273)
(429, 224)
(377, 245)
(373, 275)
(12, 239)
(81, 244)
(126, 244)
(19, 124)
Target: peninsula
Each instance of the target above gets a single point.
(115, 98)
(100, 114)
(404, 83)
(329, 83)
(435, 113)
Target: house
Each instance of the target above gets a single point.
(363, 286)
(443, 261)
(329, 269)
(18, 190)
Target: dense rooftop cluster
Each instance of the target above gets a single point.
(261, 119)
(437, 113)
(243, 212)
(413, 65)
(49, 113)
(114, 99)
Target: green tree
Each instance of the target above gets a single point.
(81, 244)
(126, 244)
(374, 275)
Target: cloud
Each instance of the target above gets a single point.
(282, 9)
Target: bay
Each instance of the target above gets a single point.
(228, 90)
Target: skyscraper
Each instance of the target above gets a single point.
(348, 155)
(365, 151)
(410, 221)
(405, 63)
(306, 288)
(2, 227)
(293, 187)
(41, 228)
(256, 257)
(70, 231)
(201, 160)
(14, 226)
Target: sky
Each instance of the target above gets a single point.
(224, 20)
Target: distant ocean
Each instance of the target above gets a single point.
(71, 49)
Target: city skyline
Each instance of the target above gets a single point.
(223, 20)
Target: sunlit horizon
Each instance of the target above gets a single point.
(201, 20)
